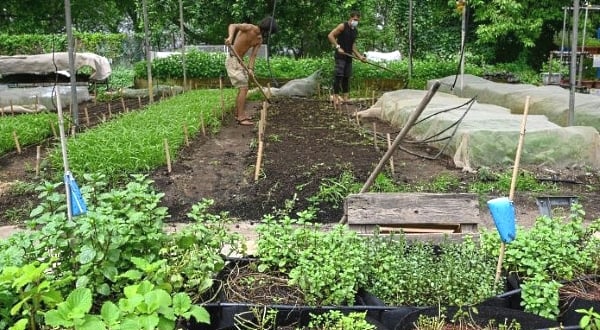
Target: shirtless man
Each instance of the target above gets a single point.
(243, 37)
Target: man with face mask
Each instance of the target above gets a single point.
(243, 37)
(343, 38)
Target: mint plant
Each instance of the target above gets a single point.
(143, 307)
(25, 292)
(336, 320)
(554, 249)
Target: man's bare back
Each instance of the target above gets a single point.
(244, 36)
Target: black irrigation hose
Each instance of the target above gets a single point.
(448, 138)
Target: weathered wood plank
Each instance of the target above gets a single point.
(413, 209)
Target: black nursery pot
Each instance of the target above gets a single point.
(484, 314)
(568, 315)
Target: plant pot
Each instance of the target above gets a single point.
(484, 315)
(225, 315)
(551, 79)
(583, 293)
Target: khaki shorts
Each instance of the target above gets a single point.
(236, 72)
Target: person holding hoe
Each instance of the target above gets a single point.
(241, 38)
(343, 38)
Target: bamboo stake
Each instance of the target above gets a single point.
(38, 157)
(261, 132)
(53, 129)
(167, 155)
(109, 110)
(221, 94)
(513, 181)
(375, 136)
(16, 138)
(373, 98)
(140, 102)
(87, 116)
(407, 126)
(185, 135)
(389, 143)
(202, 125)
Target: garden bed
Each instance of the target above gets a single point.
(306, 142)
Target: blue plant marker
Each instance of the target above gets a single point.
(503, 213)
(78, 205)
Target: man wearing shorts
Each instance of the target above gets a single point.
(243, 37)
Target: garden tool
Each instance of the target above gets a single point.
(373, 64)
(232, 50)
(502, 209)
(75, 202)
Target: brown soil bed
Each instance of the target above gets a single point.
(305, 141)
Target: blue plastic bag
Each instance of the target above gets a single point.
(78, 205)
(503, 213)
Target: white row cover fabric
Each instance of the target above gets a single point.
(551, 101)
(488, 134)
(54, 63)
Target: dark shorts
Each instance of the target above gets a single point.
(343, 66)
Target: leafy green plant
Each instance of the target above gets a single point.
(25, 292)
(590, 319)
(457, 274)
(326, 266)
(29, 129)
(554, 249)
(142, 307)
(499, 183)
(334, 191)
(134, 142)
(336, 320)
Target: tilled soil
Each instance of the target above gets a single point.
(306, 141)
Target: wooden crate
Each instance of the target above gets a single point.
(426, 215)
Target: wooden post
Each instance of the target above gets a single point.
(375, 136)
(109, 110)
(38, 157)
(167, 155)
(16, 138)
(12, 111)
(87, 116)
(202, 125)
(37, 102)
(140, 102)
(221, 94)
(123, 104)
(389, 144)
(185, 135)
(261, 132)
(373, 98)
(53, 129)
(104, 118)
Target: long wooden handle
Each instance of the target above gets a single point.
(232, 50)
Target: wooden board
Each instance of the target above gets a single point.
(422, 212)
